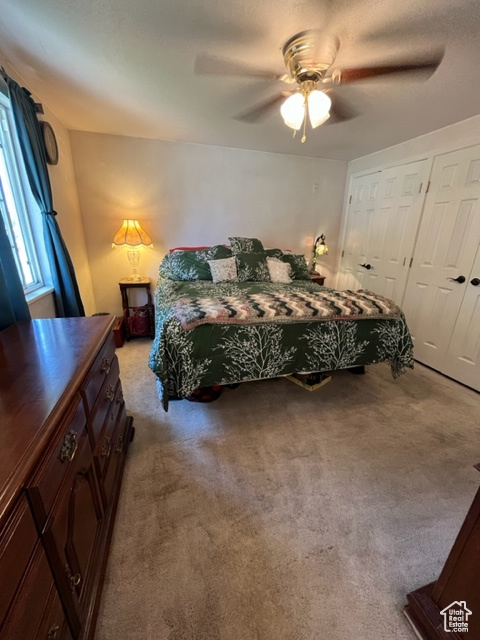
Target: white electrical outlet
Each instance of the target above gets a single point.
(315, 188)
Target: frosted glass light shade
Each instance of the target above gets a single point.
(318, 108)
(293, 111)
(322, 249)
(131, 233)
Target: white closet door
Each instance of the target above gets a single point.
(382, 224)
(446, 246)
(393, 228)
(364, 197)
(463, 357)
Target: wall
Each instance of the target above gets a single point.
(185, 194)
(65, 201)
(455, 136)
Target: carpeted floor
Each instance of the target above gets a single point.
(276, 513)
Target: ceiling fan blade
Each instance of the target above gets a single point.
(262, 109)
(425, 68)
(210, 65)
(341, 109)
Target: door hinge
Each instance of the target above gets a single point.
(411, 262)
(350, 201)
(404, 260)
(343, 253)
(428, 187)
(421, 185)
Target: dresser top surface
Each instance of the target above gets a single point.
(42, 366)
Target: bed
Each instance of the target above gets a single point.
(221, 333)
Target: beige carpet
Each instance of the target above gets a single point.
(279, 514)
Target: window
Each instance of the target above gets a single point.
(13, 206)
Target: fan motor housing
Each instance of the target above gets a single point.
(309, 54)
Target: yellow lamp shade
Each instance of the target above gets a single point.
(131, 233)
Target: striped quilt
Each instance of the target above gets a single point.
(295, 306)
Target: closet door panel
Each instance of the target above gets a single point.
(365, 192)
(431, 312)
(382, 226)
(463, 357)
(447, 242)
(394, 228)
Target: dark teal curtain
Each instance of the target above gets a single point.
(68, 302)
(13, 305)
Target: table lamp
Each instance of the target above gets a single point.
(319, 249)
(132, 235)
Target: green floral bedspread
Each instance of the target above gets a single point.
(225, 354)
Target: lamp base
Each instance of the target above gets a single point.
(135, 280)
(134, 277)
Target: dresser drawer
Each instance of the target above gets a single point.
(106, 402)
(17, 543)
(44, 486)
(106, 442)
(72, 536)
(119, 444)
(99, 371)
(53, 625)
(24, 617)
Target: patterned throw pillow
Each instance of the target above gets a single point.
(299, 266)
(279, 270)
(246, 245)
(252, 267)
(224, 269)
(192, 265)
(274, 253)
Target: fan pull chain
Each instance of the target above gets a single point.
(304, 137)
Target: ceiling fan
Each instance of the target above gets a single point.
(308, 57)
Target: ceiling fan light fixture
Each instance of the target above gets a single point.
(293, 111)
(319, 105)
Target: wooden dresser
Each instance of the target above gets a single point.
(456, 588)
(64, 434)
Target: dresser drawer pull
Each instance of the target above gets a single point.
(53, 632)
(120, 397)
(119, 445)
(74, 580)
(69, 447)
(106, 364)
(107, 447)
(110, 393)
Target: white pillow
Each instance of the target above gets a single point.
(224, 269)
(279, 271)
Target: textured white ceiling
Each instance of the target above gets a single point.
(123, 67)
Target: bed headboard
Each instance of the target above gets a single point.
(186, 249)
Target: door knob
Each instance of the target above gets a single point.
(460, 279)
(367, 266)
(475, 282)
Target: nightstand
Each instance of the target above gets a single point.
(139, 320)
(317, 278)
